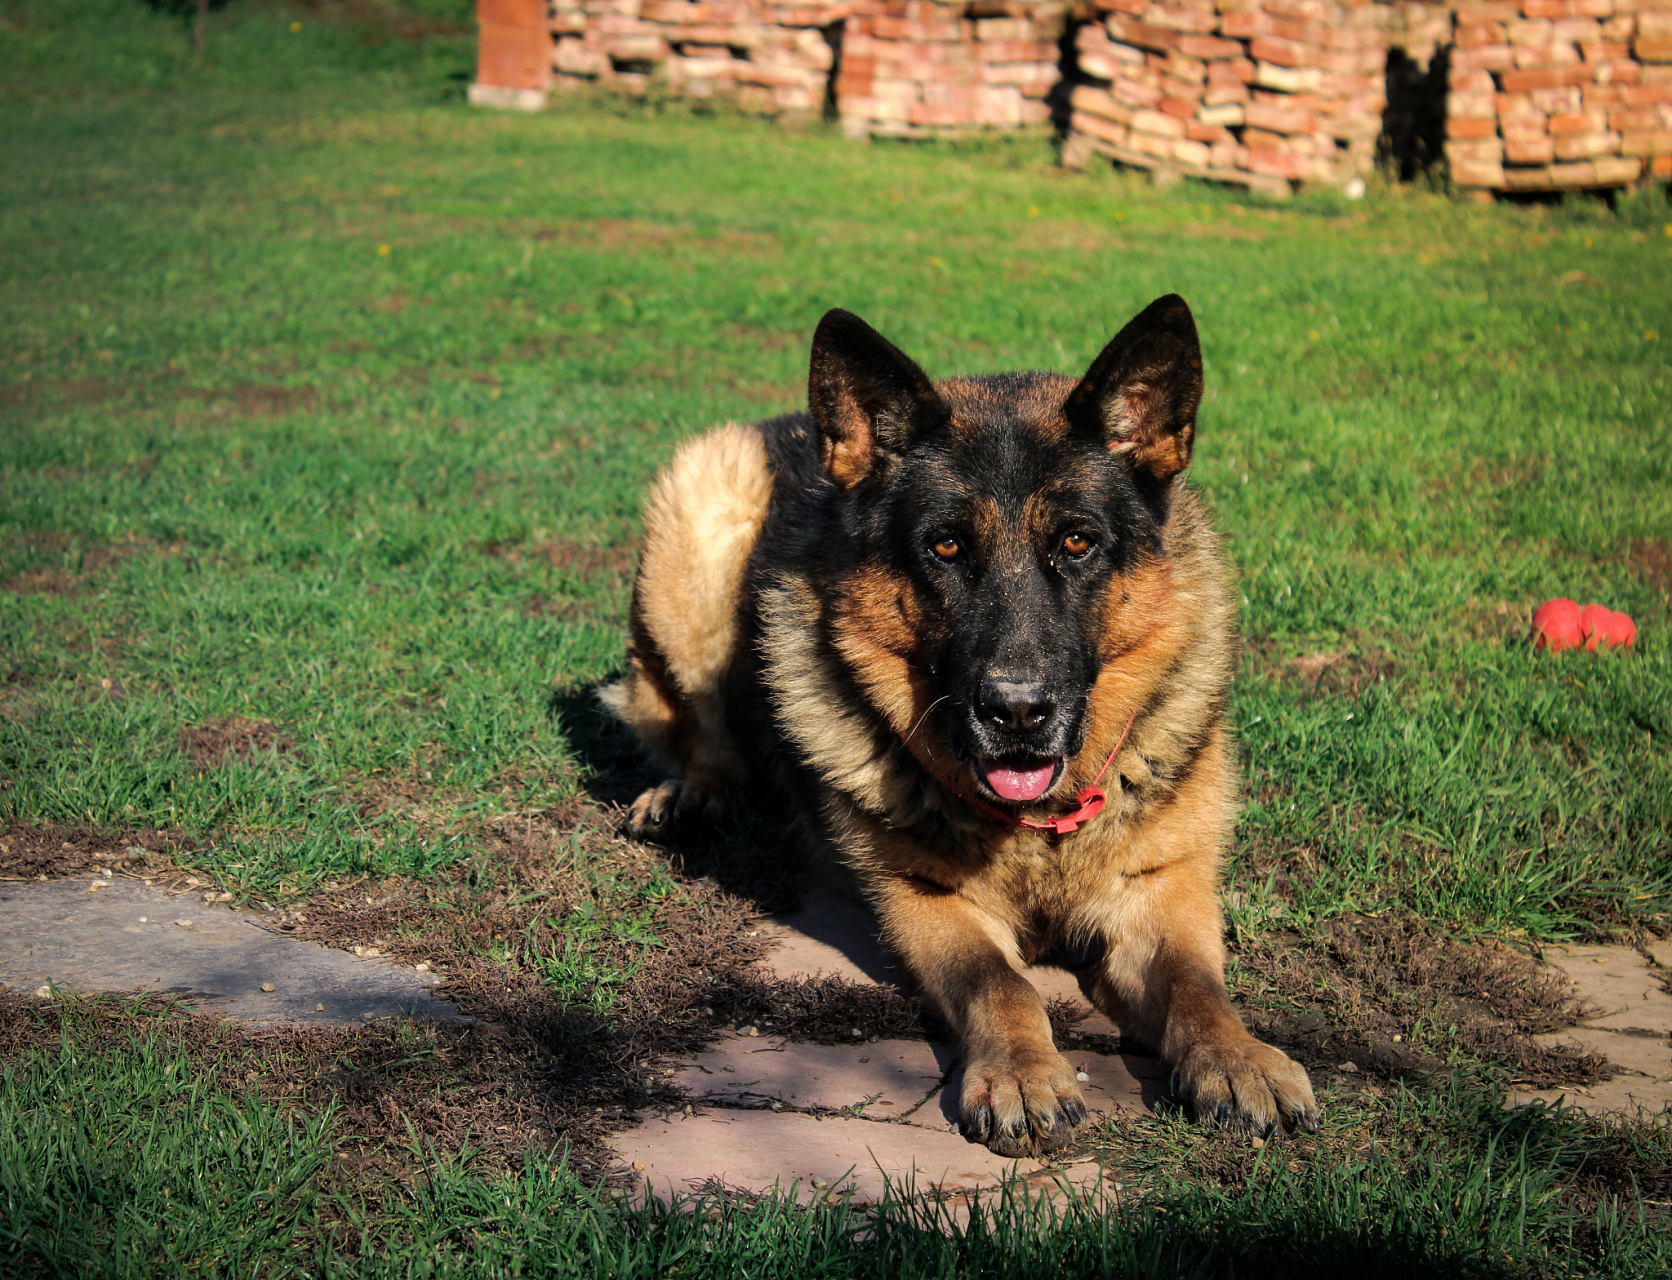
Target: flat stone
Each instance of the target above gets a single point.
(760, 1150)
(1611, 979)
(1621, 1094)
(1661, 951)
(889, 1078)
(1639, 1054)
(218, 957)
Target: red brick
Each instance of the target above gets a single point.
(1180, 108)
(1532, 149)
(1199, 132)
(1465, 128)
(1474, 149)
(1601, 51)
(1489, 11)
(1577, 30)
(511, 13)
(1654, 48)
(1477, 173)
(1545, 78)
(1243, 25)
(1158, 124)
(514, 57)
(1547, 55)
(1142, 34)
(1488, 57)
(1472, 106)
(1479, 34)
(1183, 20)
(1586, 146)
(1285, 53)
(1578, 122)
(1209, 48)
(1661, 166)
(1655, 142)
(1236, 70)
(1618, 72)
(1265, 115)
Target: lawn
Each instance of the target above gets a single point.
(326, 405)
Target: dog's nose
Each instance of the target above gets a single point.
(1016, 705)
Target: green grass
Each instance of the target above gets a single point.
(128, 1164)
(327, 403)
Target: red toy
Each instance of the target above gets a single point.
(1603, 626)
(1556, 626)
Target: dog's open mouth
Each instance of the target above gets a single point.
(1019, 778)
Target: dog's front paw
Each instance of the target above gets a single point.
(674, 812)
(1246, 1086)
(1022, 1103)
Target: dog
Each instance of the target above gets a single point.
(980, 634)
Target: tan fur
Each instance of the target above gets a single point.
(701, 521)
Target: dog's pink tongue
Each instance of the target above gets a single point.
(1016, 782)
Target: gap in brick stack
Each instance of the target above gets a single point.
(1509, 95)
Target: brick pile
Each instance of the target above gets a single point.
(921, 66)
(1560, 94)
(770, 58)
(1261, 92)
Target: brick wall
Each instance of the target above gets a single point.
(1536, 94)
(1553, 94)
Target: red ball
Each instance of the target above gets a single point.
(1602, 626)
(1556, 626)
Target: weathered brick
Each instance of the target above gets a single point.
(1488, 57)
(1474, 106)
(1579, 122)
(1265, 115)
(1584, 146)
(1520, 81)
(1158, 123)
(1480, 33)
(1490, 149)
(1649, 142)
(1547, 55)
(1181, 19)
(1285, 53)
(1210, 133)
(1210, 47)
(1532, 149)
(1653, 48)
(1617, 170)
(1464, 127)
(1477, 173)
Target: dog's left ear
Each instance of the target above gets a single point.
(1141, 394)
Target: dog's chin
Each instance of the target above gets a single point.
(1019, 779)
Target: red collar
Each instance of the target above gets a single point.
(1091, 798)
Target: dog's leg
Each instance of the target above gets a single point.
(1019, 1094)
(1162, 980)
(701, 522)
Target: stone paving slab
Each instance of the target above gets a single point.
(750, 1126)
(1623, 993)
(127, 936)
(759, 1150)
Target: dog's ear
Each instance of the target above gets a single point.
(868, 397)
(1141, 394)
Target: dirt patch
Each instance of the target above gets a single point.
(52, 851)
(1651, 560)
(614, 560)
(1346, 670)
(54, 566)
(214, 744)
(1392, 997)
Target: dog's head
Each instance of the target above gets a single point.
(1006, 530)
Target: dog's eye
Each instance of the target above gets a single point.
(948, 549)
(1076, 544)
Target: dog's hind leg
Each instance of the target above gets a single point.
(701, 522)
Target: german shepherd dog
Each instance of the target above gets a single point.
(980, 633)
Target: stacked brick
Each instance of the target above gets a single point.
(1560, 94)
(1260, 92)
(769, 58)
(923, 67)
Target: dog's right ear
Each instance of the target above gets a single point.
(868, 397)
